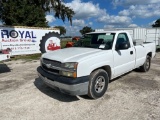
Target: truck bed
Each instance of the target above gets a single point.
(149, 48)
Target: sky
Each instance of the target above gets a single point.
(99, 14)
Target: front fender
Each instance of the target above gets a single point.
(87, 66)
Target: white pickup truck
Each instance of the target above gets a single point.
(94, 60)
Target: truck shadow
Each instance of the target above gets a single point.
(58, 95)
(4, 68)
(53, 93)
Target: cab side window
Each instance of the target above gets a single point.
(122, 37)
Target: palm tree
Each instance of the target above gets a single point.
(57, 6)
(157, 23)
(65, 12)
(61, 11)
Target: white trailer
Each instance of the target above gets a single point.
(29, 40)
(147, 34)
(4, 56)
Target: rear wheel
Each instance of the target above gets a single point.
(98, 83)
(146, 66)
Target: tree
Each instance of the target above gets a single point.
(23, 13)
(32, 12)
(157, 23)
(62, 30)
(85, 30)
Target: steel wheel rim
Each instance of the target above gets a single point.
(99, 84)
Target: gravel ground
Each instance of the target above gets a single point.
(134, 96)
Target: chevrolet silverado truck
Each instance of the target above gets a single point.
(99, 57)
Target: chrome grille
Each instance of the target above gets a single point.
(52, 62)
(50, 70)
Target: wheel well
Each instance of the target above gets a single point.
(150, 54)
(107, 69)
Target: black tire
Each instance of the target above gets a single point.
(45, 38)
(98, 83)
(146, 66)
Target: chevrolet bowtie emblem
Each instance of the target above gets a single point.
(48, 65)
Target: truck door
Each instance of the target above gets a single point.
(124, 60)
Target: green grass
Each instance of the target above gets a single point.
(27, 57)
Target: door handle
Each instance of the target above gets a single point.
(131, 52)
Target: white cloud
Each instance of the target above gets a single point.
(85, 9)
(73, 30)
(133, 26)
(108, 26)
(151, 23)
(132, 9)
(50, 18)
(124, 12)
(139, 8)
(134, 2)
(76, 26)
(142, 11)
(90, 23)
(77, 22)
(115, 20)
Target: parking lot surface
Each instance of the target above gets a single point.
(134, 96)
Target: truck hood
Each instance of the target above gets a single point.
(73, 54)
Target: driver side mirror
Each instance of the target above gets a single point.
(122, 46)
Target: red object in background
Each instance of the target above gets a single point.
(74, 39)
(53, 46)
(6, 51)
(69, 44)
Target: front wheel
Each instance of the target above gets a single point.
(98, 83)
(146, 66)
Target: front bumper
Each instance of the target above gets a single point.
(71, 86)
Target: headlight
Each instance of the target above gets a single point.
(70, 65)
(69, 74)
(70, 69)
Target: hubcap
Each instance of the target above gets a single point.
(99, 84)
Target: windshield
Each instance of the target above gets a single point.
(96, 40)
